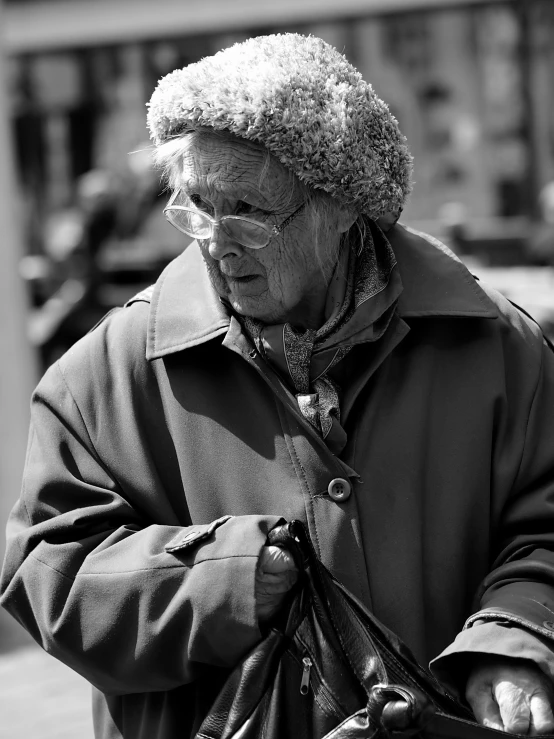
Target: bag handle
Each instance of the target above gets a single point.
(400, 708)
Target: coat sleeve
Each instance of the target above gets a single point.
(515, 603)
(131, 606)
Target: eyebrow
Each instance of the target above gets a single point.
(199, 186)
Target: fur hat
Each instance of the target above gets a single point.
(301, 99)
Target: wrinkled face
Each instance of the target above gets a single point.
(286, 281)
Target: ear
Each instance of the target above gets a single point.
(346, 217)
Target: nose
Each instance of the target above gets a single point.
(221, 244)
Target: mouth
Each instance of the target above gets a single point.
(244, 285)
(241, 279)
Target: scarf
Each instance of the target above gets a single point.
(360, 302)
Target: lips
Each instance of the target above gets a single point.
(241, 278)
(244, 285)
(238, 276)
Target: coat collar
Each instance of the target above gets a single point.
(435, 281)
(185, 311)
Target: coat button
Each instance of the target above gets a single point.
(339, 489)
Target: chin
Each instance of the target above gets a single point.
(252, 308)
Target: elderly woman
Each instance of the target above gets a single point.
(307, 358)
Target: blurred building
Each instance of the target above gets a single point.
(469, 81)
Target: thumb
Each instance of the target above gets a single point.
(275, 560)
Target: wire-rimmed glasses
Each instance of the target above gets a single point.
(246, 231)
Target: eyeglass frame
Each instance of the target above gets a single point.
(275, 230)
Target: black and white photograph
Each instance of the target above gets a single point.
(277, 380)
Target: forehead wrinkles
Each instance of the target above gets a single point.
(224, 164)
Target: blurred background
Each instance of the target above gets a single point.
(470, 82)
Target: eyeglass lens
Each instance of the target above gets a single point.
(197, 224)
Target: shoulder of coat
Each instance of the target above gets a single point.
(517, 327)
(144, 296)
(117, 340)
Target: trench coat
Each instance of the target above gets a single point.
(163, 449)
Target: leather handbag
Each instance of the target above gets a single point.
(330, 670)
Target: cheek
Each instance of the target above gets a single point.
(292, 269)
(212, 268)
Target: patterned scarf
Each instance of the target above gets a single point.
(361, 298)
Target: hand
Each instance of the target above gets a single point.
(511, 695)
(275, 576)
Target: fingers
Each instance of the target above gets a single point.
(503, 708)
(512, 696)
(513, 704)
(274, 584)
(270, 594)
(275, 576)
(483, 705)
(542, 717)
(524, 713)
(275, 559)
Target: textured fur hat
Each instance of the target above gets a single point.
(306, 104)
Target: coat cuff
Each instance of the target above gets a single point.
(221, 560)
(502, 638)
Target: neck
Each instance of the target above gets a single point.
(324, 304)
(310, 313)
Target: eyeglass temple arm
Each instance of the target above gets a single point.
(277, 229)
